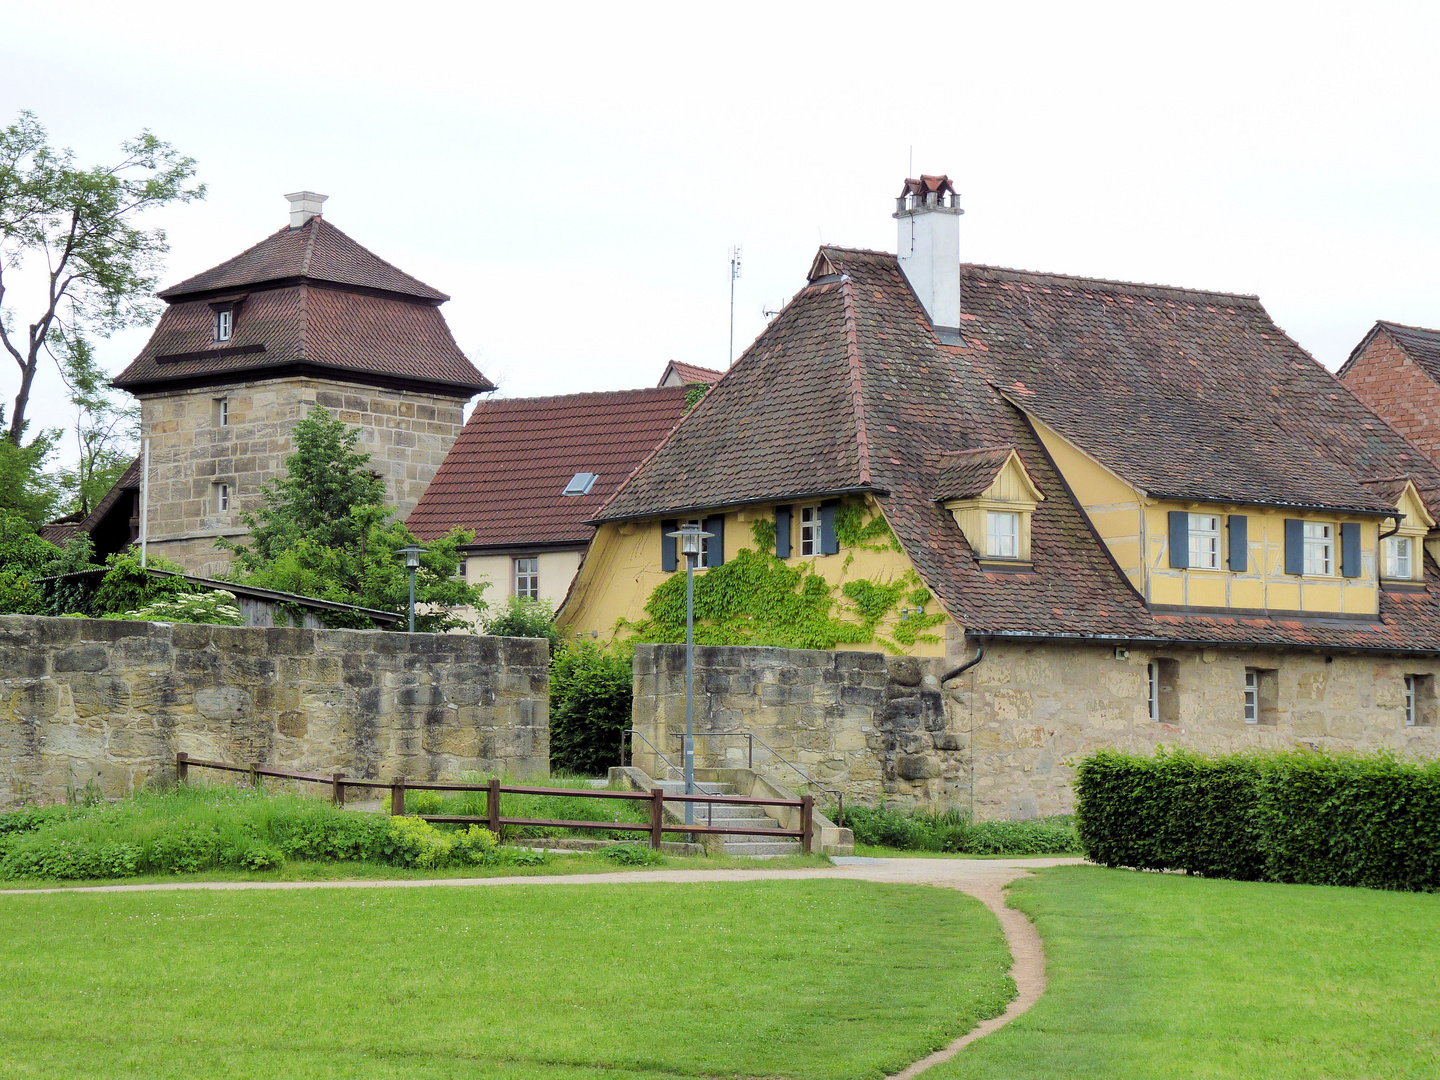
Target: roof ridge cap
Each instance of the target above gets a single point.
(857, 383)
(383, 261)
(1111, 282)
(1406, 326)
(309, 246)
(585, 393)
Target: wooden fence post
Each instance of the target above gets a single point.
(182, 768)
(337, 789)
(807, 822)
(397, 796)
(492, 806)
(657, 815)
(254, 776)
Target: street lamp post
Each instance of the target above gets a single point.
(412, 563)
(691, 538)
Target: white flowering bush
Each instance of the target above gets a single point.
(218, 608)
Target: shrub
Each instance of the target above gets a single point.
(217, 608)
(950, 831)
(591, 690)
(1318, 818)
(522, 617)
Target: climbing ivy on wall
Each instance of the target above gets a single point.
(757, 599)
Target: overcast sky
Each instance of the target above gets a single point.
(574, 176)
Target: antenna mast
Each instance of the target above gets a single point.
(734, 274)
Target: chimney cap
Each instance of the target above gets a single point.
(926, 185)
(305, 205)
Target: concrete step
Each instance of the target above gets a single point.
(762, 849)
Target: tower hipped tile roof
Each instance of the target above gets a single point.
(1186, 394)
(504, 476)
(306, 300)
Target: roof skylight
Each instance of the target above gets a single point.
(581, 483)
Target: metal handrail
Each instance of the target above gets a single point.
(750, 760)
(709, 807)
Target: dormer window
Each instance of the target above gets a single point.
(1398, 555)
(991, 495)
(224, 323)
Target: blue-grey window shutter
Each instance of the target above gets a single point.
(715, 546)
(1350, 549)
(1294, 546)
(1179, 539)
(782, 532)
(1239, 526)
(668, 560)
(829, 542)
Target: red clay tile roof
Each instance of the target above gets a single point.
(964, 474)
(504, 476)
(853, 355)
(690, 374)
(316, 251)
(1422, 346)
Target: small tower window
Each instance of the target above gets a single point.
(222, 498)
(222, 412)
(224, 323)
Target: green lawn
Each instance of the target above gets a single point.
(794, 978)
(1160, 975)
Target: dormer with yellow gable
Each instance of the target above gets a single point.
(993, 498)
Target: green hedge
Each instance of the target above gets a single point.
(951, 831)
(1369, 820)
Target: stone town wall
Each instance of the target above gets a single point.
(406, 435)
(112, 702)
(880, 727)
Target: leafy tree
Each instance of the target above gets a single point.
(105, 431)
(100, 266)
(24, 556)
(522, 617)
(323, 531)
(25, 489)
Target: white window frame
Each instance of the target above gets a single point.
(703, 560)
(1002, 544)
(810, 530)
(224, 324)
(222, 498)
(222, 406)
(525, 577)
(1396, 566)
(1205, 547)
(1319, 549)
(1410, 700)
(1252, 695)
(1152, 676)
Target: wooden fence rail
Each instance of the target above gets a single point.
(492, 820)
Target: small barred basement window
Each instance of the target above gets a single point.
(1262, 689)
(1419, 700)
(1164, 690)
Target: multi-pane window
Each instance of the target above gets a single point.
(1410, 699)
(1252, 696)
(527, 578)
(224, 322)
(1397, 556)
(810, 530)
(1002, 534)
(1204, 542)
(1319, 548)
(1152, 674)
(222, 412)
(222, 498)
(703, 560)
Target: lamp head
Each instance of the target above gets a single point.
(690, 536)
(412, 556)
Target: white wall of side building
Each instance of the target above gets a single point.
(557, 570)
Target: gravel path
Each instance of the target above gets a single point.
(984, 879)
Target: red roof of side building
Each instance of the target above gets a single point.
(504, 477)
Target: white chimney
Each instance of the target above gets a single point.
(928, 212)
(303, 206)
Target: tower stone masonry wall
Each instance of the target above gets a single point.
(881, 727)
(406, 434)
(111, 703)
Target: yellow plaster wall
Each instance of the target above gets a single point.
(1137, 531)
(622, 569)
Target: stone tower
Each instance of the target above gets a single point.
(244, 350)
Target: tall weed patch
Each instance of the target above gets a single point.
(1368, 820)
(952, 831)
